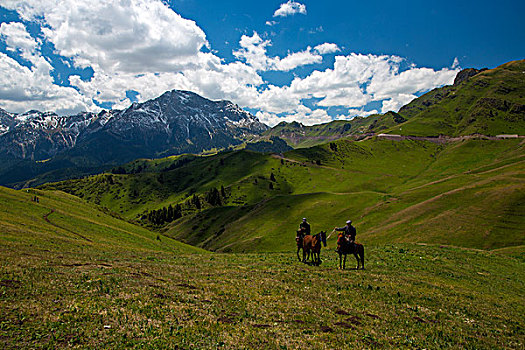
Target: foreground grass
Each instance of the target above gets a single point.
(409, 296)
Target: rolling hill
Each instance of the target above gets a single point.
(55, 221)
(395, 191)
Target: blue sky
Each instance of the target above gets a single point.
(311, 61)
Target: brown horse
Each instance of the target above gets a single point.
(299, 240)
(313, 244)
(344, 247)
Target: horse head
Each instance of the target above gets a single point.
(341, 241)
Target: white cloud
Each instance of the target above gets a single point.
(135, 45)
(271, 23)
(23, 88)
(455, 64)
(253, 51)
(327, 48)
(297, 59)
(396, 102)
(145, 46)
(290, 8)
(129, 36)
(304, 115)
(16, 38)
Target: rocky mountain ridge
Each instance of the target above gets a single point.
(177, 121)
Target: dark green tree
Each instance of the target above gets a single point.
(196, 201)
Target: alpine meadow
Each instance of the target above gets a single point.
(174, 194)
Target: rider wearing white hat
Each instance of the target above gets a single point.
(349, 231)
(305, 227)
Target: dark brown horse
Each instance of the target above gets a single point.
(313, 244)
(299, 240)
(344, 247)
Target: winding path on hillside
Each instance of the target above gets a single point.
(46, 218)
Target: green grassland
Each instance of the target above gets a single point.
(72, 276)
(489, 103)
(469, 193)
(61, 222)
(409, 296)
(303, 136)
(442, 227)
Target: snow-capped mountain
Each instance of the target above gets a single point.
(174, 123)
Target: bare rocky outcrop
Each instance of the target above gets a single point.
(467, 73)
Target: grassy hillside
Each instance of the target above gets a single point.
(490, 103)
(469, 193)
(73, 276)
(58, 222)
(301, 136)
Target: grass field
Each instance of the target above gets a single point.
(408, 296)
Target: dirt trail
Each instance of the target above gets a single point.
(46, 218)
(444, 139)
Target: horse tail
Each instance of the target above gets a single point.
(362, 255)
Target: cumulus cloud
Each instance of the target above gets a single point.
(327, 48)
(396, 102)
(22, 87)
(355, 81)
(290, 8)
(304, 115)
(254, 52)
(143, 45)
(134, 45)
(128, 36)
(18, 39)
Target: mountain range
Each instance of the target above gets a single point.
(38, 147)
(177, 122)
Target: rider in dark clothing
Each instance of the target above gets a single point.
(349, 231)
(305, 227)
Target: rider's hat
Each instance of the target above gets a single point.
(304, 219)
(348, 221)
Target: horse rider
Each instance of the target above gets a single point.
(349, 231)
(304, 227)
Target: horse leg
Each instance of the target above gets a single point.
(298, 257)
(356, 258)
(362, 253)
(344, 262)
